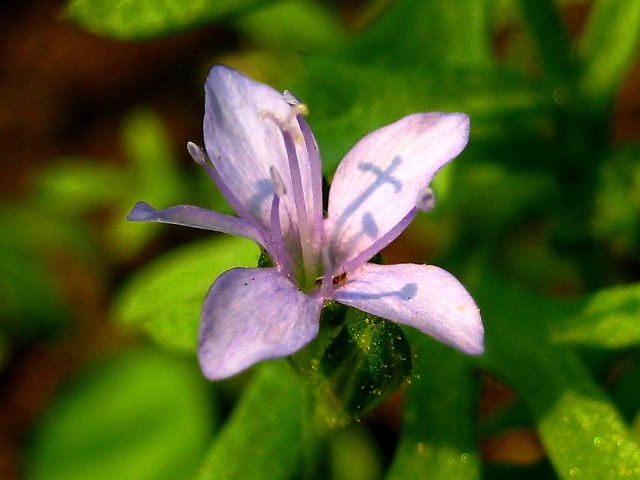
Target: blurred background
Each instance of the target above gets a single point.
(540, 218)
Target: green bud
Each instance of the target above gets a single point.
(333, 315)
(265, 261)
(364, 364)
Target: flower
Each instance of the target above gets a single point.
(264, 159)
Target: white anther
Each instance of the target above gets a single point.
(278, 182)
(425, 200)
(291, 99)
(197, 153)
(299, 107)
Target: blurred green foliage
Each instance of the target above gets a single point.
(140, 414)
(540, 204)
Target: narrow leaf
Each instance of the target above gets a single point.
(438, 436)
(609, 318)
(582, 431)
(550, 37)
(608, 47)
(437, 33)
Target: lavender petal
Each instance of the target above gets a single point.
(422, 296)
(196, 217)
(253, 314)
(377, 183)
(244, 141)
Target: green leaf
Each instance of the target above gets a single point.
(165, 297)
(35, 251)
(153, 176)
(142, 19)
(138, 415)
(348, 101)
(608, 47)
(581, 430)
(263, 437)
(552, 41)
(609, 318)
(299, 25)
(616, 219)
(438, 435)
(71, 187)
(354, 454)
(433, 34)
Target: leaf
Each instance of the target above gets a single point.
(552, 41)
(348, 101)
(299, 25)
(165, 297)
(354, 454)
(434, 34)
(138, 415)
(609, 319)
(608, 47)
(35, 248)
(438, 434)
(153, 176)
(71, 187)
(263, 437)
(581, 430)
(143, 19)
(616, 219)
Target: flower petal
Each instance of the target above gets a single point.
(244, 141)
(196, 217)
(252, 314)
(378, 181)
(421, 296)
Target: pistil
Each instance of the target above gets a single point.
(315, 168)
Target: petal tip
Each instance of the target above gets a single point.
(477, 348)
(141, 211)
(213, 370)
(474, 339)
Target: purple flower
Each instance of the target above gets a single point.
(264, 159)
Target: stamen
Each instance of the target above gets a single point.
(425, 200)
(278, 182)
(364, 256)
(197, 154)
(277, 249)
(291, 99)
(315, 169)
(299, 106)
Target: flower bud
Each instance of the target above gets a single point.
(364, 364)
